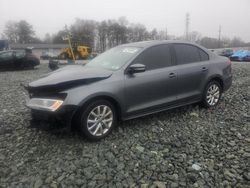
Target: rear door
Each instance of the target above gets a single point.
(156, 86)
(193, 65)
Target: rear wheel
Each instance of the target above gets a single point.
(212, 94)
(97, 120)
(77, 56)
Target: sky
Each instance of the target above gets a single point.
(49, 16)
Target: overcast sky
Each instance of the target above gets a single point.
(49, 16)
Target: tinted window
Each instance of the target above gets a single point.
(6, 55)
(203, 55)
(155, 57)
(20, 54)
(186, 53)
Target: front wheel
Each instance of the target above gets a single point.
(212, 94)
(97, 120)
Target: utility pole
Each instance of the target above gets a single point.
(187, 26)
(219, 36)
(166, 34)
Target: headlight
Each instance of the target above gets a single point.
(44, 104)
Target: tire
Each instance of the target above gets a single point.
(77, 56)
(212, 94)
(89, 117)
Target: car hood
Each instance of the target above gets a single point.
(67, 77)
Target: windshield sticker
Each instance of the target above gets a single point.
(130, 50)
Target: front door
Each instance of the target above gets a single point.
(156, 86)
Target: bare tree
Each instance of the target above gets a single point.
(11, 31)
(84, 31)
(25, 32)
(19, 32)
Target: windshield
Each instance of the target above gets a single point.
(114, 58)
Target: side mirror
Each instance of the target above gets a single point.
(136, 68)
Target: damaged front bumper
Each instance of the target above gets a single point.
(63, 116)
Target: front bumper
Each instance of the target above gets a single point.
(63, 116)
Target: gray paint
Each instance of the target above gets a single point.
(146, 92)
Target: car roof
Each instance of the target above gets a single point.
(145, 44)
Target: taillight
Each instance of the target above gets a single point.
(229, 62)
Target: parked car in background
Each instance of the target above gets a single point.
(226, 52)
(240, 55)
(48, 55)
(247, 57)
(130, 81)
(18, 59)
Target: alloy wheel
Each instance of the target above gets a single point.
(100, 120)
(213, 95)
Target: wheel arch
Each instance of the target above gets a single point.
(87, 101)
(217, 78)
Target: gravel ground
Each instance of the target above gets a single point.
(185, 147)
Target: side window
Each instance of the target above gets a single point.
(20, 54)
(6, 55)
(155, 57)
(203, 55)
(186, 53)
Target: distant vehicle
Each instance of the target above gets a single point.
(48, 55)
(4, 45)
(18, 59)
(247, 58)
(240, 55)
(93, 55)
(226, 52)
(80, 52)
(130, 81)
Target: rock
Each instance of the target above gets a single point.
(232, 143)
(53, 185)
(140, 148)
(159, 184)
(192, 177)
(228, 174)
(49, 179)
(38, 183)
(87, 172)
(239, 136)
(144, 185)
(110, 157)
(196, 167)
(174, 185)
(246, 155)
(246, 176)
(194, 114)
(230, 156)
(120, 166)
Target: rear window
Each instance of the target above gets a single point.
(186, 53)
(203, 55)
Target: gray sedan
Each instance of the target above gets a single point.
(130, 81)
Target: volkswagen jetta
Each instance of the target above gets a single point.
(129, 81)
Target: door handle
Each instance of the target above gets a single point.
(172, 75)
(204, 69)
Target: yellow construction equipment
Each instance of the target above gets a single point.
(74, 51)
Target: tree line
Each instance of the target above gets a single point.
(107, 34)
